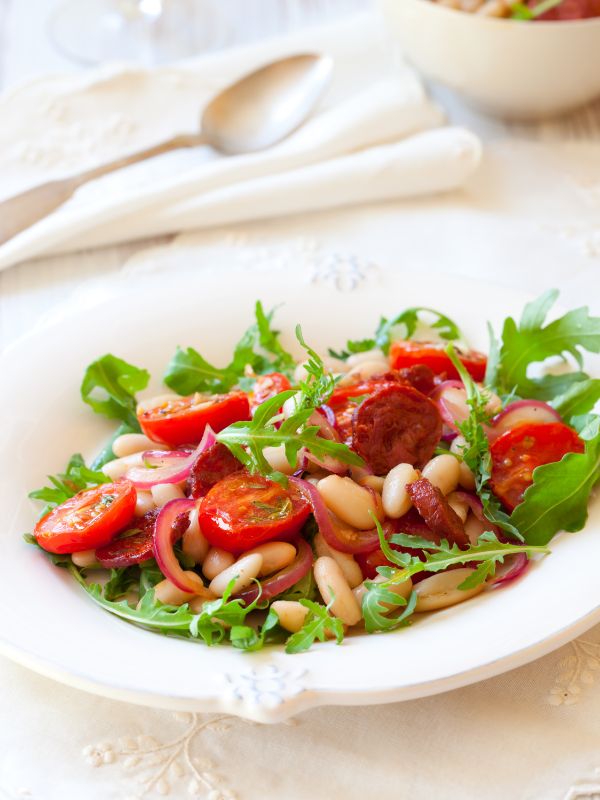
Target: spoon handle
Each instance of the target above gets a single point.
(23, 210)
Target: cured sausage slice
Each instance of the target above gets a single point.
(439, 516)
(209, 468)
(396, 425)
(138, 547)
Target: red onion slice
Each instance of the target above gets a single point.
(285, 578)
(327, 431)
(329, 415)
(176, 468)
(354, 542)
(164, 458)
(519, 413)
(450, 398)
(513, 567)
(476, 507)
(163, 544)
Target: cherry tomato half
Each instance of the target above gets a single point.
(268, 386)
(243, 511)
(181, 420)
(89, 520)
(433, 355)
(520, 450)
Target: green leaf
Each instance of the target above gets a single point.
(580, 398)
(405, 324)
(109, 386)
(559, 495)
(305, 589)
(120, 581)
(67, 484)
(531, 343)
(317, 624)
(106, 454)
(259, 350)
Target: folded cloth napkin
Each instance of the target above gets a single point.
(376, 135)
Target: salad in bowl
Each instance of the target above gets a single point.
(284, 500)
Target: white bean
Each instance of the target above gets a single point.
(465, 477)
(166, 592)
(474, 527)
(116, 468)
(216, 561)
(401, 589)
(194, 544)
(440, 591)
(331, 583)
(163, 493)
(364, 371)
(367, 355)
(242, 573)
(129, 443)
(396, 500)
(352, 503)
(197, 603)
(275, 556)
(278, 460)
(375, 482)
(144, 503)
(84, 558)
(346, 562)
(458, 505)
(291, 614)
(443, 471)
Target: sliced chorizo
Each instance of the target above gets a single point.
(396, 425)
(209, 468)
(438, 514)
(138, 547)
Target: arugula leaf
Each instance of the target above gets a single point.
(530, 342)
(476, 455)
(558, 497)
(579, 398)
(525, 12)
(438, 557)
(317, 624)
(247, 638)
(120, 581)
(402, 326)
(259, 350)
(109, 386)
(68, 483)
(319, 384)
(305, 589)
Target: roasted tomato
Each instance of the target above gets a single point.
(268, 386)
(182, 420)
(433, 355)
(89, 520)
(243, 511)
(519, 451)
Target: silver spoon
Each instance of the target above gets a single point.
(252, 114)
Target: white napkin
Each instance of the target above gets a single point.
(370, 139)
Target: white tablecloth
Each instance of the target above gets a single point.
(530, 218)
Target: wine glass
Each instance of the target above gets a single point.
(144, 31)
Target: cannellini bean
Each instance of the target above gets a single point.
(458, 505)
(440, 591)
(443, 471)
(363, 371)
(194, 544)
(401, 589)
(494, 404)
(216, 561)
(116, 468)
(278, 460)
(197, 602)
(84, 558)
(242, 573)
(346, 562)
(291, 614)
(374, 482)
(475, 527)
(166, 592)
(494, 8)
(465, 477)
(396, 500)
(331, 583)
(275, 556)
(352, 503)
(367, 355)
(162, 493)
(144, 503)
(129, 443)
(289, 407)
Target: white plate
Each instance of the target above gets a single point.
(50, 625)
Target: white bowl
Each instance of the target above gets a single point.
(514, 69)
